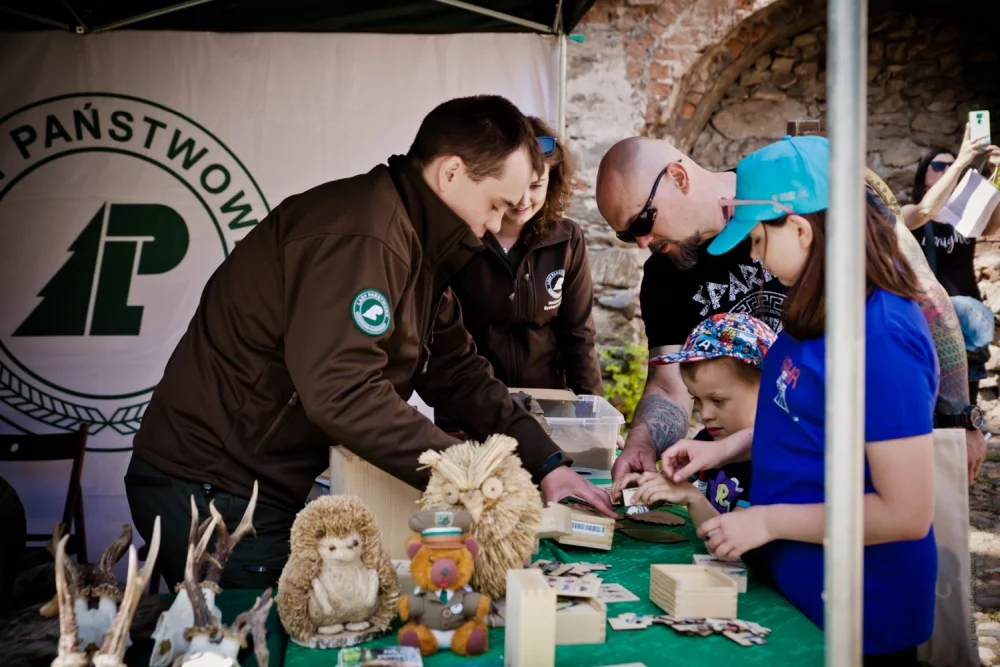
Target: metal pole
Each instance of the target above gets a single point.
(149, 15)
(847, 58)
(561, 113)
(34, 17)
(537, 27)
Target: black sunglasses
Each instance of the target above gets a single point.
(939, 165)
(548, 145)
(642, 224)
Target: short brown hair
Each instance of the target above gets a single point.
(562, 170)
(746, 371)
(886, 268)
(483, 130)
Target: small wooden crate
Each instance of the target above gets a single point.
(589, 530)
(530, 620)
(556, 521)
(392, 501)
(692, 591)
(583, 623)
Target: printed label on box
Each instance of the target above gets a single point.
(592, 528)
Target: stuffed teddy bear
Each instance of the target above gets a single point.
(443, 611)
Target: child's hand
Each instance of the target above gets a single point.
(629, 480)
(656, 488)
(729, 536)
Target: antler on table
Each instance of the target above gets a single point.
(253, 621)
(75, 571)
(67, 580)
(105, 583)
(196, 557)
(225, 543)
(115, 642)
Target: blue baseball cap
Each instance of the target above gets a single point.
(792, 173)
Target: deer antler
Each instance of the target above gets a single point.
(113, 648)
(196, 557)
(54, 546)
(105, 583)
(67, 580)
(225, 543)
(253, 621)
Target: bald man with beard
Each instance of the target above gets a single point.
(653, 195)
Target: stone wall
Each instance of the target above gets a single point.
(924, 77)
(720, 78)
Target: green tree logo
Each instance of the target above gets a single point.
(73, 305)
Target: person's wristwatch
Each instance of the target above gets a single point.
(971, 419)
(548, 465)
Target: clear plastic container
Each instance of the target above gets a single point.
(587, 430)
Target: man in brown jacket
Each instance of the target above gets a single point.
(317, 329)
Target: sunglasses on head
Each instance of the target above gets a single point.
(548, 145)
(642, 224)
(940, 165)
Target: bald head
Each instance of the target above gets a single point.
(686, 200)
(626, 175)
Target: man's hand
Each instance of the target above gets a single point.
(563, 481)
(638, 455)
(975, 449)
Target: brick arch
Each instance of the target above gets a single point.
(705, 82)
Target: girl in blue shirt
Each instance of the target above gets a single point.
(781, 202)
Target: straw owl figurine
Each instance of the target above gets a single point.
(488, 481)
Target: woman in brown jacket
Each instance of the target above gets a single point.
(527, 298)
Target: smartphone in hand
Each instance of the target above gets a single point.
(979, 126)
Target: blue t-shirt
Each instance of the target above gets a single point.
(901, 382)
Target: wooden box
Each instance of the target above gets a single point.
(589, 530)
(692, 591)
(391, 501)
(530, 620)
(583, 623)
(556, 521)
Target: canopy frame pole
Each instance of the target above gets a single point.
(149, 15)
(557, 27)
(34, 17)
(81, 27)
(561, 101)
(476, 9)
(847, 58)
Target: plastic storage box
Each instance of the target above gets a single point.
(587, 430)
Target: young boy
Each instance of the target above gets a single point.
(721, 366)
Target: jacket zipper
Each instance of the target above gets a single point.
(428, 339)
(277, 421)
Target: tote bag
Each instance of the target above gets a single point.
(971, 204)
(954, 642)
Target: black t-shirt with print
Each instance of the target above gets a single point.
(673, 302)
(954, 255)
(725, 486)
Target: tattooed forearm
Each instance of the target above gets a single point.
(935, 303)
(665, 421)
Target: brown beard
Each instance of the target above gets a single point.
(683, 254)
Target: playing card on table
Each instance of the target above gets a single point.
(745, 638)
(630, 622)
(615, 593)
(574, 587)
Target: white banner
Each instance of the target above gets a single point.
(132, 162)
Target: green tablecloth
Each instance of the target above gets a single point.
(794, 640)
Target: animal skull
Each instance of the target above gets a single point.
(170, 643)
(115, 640)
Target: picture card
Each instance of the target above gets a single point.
(654, 535)
(615, 593)
(736, 570)
(745, 638)
(630, 622)
(573, 587)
